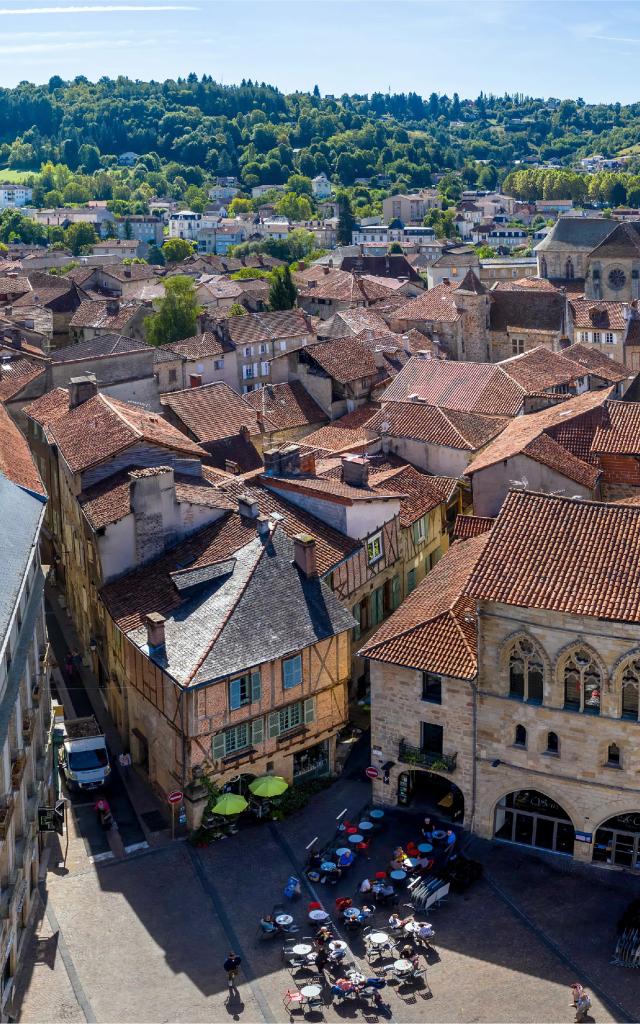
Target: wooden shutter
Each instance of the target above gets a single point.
(257, 731)
(309, 710)
(218, 746)
(256, 687)
(274, 724)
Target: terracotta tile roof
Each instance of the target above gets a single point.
(151, 588)
(597, 363)
(97, 348)
(588, 314)
(212, 412)
(468, 387)
(102, 427)
(95, 313)
(317, 282)
(471, 526)
(422, 493)
(530, 309)
(202, 345)
(558, 437)
(110, 500)
(540, 369)
(332, 547)
(246, 330)
(344, 359)
(619, 430)
(432, 425)
(539, 284)
(564, 555)
(16, 461)
(353, 321)
(346, 432)
(15, 374)
(437, 304)
(285, 406)
(131, 272)
(434, 630)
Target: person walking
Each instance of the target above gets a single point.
(231, 965)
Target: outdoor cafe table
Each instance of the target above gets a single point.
(327, 865)
(411, 862)
(351, 912)
(364, 826)
(378, 938)
(342, 850)
(355, 838)
(376, 815)
(318, 916)
(412, 927)
(402, 966)
(311, 991)
(336, 945)
(284, 920)
(425, 848)
(302, 949)
(439, 835)
(398, 876)
(355, 977)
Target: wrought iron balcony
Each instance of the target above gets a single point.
(409, 754)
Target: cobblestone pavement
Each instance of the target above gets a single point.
(144, 938)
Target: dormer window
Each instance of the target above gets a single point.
(374, 548)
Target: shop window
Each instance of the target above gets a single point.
(582, 683)
(520, 737)
(526, 672)
(613, 756)
(553, 743)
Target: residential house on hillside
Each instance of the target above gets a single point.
(108, 316)
(339, 374)
(286, 412)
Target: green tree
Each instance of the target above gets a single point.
(236, 309)
(177, 313)
(238, 206)
(155, 256)
(300, 184)
(79, 237)
(346, 220)
(294, 207)
(175, 250)
(283, 292)
(395, 247)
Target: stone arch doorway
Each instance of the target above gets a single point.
(534, 819)
(617, 841)
(429, 791)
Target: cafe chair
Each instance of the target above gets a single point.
(293, 1000)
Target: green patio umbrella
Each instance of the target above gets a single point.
(268, 785)
(230, 803)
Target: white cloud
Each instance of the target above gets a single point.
(18, 12)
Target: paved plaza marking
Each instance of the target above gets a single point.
(234, 941)
(72, 974)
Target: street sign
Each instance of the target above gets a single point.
(176, 797)
(371, 772)
(51, 819)
(584, 837)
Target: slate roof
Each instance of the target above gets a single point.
(16, 461)
(98, 348)
(13, 284)
(606, 316)
(569, 234)
(57, 293)
(597, 363)
(213, 634)
(434, 629)
(564, 555)
(102, 427)
(346, 432)
(529, 309)
(286, 406)
(559, 437)
(212, 412)
(623, 242)
(469, 387)
(110, 500)
(343, 359)
(15, 374)
(619, 430)
(432, 425)
(202, 345)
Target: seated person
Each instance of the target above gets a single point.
(426, 932)
(406, 952)
(333, 875)
(396, 864)
(366, 912)
(398, 853)
(346, 859)
(315, 860)
(424, 862)
(365, 885)
(268, 924)
(396, 922)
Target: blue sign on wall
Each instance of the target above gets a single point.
(584, 837)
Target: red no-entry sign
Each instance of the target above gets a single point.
(371, 772)
(176, 797)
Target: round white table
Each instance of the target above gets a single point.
(411, 927)
(355, 838)
(355, 977)
(284, 919)
(402, 966)
(318, 915)
(365, 826)
(311, 991)
(378, 938)
(337, 944)
(351, 912)
(302, 949)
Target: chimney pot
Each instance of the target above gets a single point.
(81, 389)
(154, 622)
(247, 506)
(355, 470)
(304, 554)
(263, 525)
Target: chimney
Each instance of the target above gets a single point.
(247, 506)
(355, 470)
(231, 467)
(127, 272)
(263, 525)
(415, 398)
(271, 459)
(152, 497)
(304, 554)
(113, 307)
(195, 380)
(260, 420)
(81, 389)
(154, 622)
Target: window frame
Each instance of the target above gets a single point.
(375, 548)
(286, 662)
(520, 737)
(431, 680)
(252, 683)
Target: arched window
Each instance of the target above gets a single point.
(553, 744)
(631, 689)
(568, 269)
(582, 683)
(543, 267)
(613, 755)
(526, 672)
(521, 736)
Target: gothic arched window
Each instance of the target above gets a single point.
(526, 671)
(582, 682)
(631, 689)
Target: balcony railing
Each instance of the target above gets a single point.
(408, 754)
(6, 811)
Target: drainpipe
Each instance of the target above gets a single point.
(183, 780)
(474, 729)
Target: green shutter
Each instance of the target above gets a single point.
(256, 691)
(309, 710)
(395, 592)
(274, 724)
(218, 746)
(257, 731)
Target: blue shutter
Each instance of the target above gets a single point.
(256, 688)
(235, 694)
(218, 746)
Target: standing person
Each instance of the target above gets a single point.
(125, 764)
(231, 965)
(583, 1005)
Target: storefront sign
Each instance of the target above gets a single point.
(584, 837)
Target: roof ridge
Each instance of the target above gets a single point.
(108, 401)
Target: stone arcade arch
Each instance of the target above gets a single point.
(534, 819)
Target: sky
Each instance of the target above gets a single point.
(562, 48)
